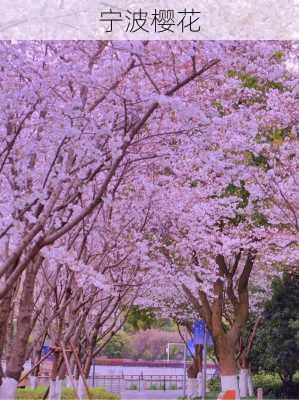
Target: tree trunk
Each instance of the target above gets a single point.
(56, 386)
(5, 315)
(5, 308)
(15, 359)
(52, 392)
(250, 385)
(225, 340)
(33, 381)
(192, 389)
(193, 372)
(57, 373)
(246, 385)
(200, 383)
(88, 364)
(244, 376)
(243, 382)
(225, 349)
(68, 383)
(8, 389)
(35, 358)
(59, 386)
(59, 381)
(81, 389)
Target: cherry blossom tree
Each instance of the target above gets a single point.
(119, 162)
(216, 229)
(79, 117)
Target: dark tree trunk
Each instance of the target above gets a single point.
(16, 358)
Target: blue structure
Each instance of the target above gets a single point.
(199, 337)
(199, 330)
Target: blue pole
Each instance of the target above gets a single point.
(204, 364)
(184, 381)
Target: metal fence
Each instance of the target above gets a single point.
(132, 383)
(113, 384)
(140, 383)
(153, 382)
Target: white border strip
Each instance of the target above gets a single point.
(81, 19)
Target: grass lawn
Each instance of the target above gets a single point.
(68, 394)
(214, 395)
(269, 382)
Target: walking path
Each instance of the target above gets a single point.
(152, 395)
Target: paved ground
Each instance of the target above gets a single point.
(151, 395)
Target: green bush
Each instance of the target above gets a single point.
(68, 394)
(274, 389)
(153, 387)
(209, 396)
(31, 394)
(133, 387)
(214, 385)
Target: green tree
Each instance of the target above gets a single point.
(118, 347)
(276, 347)
(294, 324)
(140, 319)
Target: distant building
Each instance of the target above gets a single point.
(119, 366)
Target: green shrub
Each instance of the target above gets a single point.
(68, 394)
(97, 393)
(274, 389)
(214, 385)
(133, 386)
(31, 394)
(153, 387)
(209, 396)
